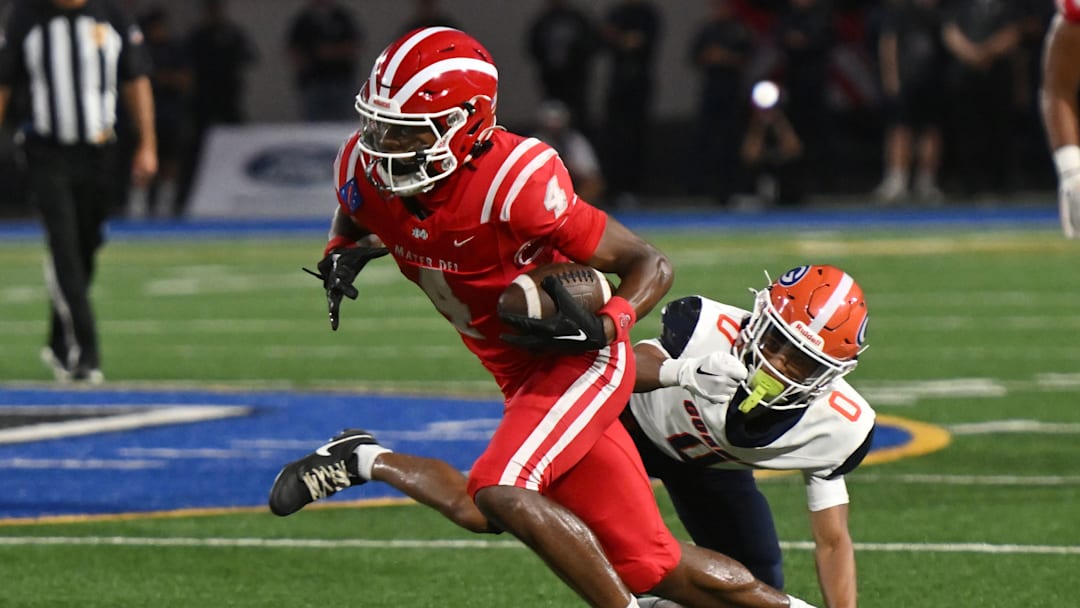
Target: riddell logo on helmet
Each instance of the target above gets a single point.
(810, 336)
(379, 101)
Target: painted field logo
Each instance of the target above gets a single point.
(67, 453)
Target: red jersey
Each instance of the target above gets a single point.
(1070, 9)
(510, 209)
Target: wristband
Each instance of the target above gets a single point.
(622, 313)
(1067, 160)
(669, 372)
(338, 242)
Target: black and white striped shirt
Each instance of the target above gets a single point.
(72, 62)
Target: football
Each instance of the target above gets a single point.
(526, 297)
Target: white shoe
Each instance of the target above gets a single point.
(928, 192)
(59, 370)
(93, 377)
(891, 190)
(1069, 205)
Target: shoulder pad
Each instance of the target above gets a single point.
(678, 320)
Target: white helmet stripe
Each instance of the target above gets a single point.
(838, 297)
(422, 77)
(399, 55)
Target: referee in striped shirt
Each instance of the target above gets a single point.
(76, 59)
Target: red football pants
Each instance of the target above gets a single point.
(560, 436)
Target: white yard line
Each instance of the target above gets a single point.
(967, 480)
(360, 543)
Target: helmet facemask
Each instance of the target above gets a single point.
(407, 153)
(786, 368)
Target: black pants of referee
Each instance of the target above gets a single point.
(72, 187)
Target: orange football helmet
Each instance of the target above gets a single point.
(806, 330)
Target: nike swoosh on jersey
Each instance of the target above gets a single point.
(458, 243)
(579, 337)
(324, 450)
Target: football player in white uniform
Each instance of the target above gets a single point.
(732, 390)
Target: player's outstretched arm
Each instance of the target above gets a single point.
(715, 376)
(834, 555)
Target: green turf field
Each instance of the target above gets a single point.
(974, 331)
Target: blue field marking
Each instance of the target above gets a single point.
(836, 218)
(231, 462)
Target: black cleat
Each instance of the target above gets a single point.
(322, 473)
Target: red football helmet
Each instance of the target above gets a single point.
(429, 101)
(807, 329)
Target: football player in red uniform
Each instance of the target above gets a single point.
(463, 207)
(1061, 81)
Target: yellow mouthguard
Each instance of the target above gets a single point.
(763, 386)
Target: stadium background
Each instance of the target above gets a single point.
(973, 332)
(855, 112)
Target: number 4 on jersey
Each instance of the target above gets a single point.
(555, 198)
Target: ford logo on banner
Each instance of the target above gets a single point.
(297, 165)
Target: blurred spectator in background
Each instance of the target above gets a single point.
(220, 52)
(563, 41)
(324, 45)
(554, 128)
(631, 32)
(805, 37)
(772, 151)
(428, 13)
(1033, 160)
(912, 59)
(981, 36)
(1061, 85)
(70, 150)
(720, 51)
(171, 81)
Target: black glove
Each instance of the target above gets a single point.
(571, 329)
(337, 272)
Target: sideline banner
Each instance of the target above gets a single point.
(268, 171)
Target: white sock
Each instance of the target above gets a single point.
(366, 454)
(794, 602)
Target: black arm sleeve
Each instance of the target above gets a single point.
(134, 57)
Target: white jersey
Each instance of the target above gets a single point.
(824, 440)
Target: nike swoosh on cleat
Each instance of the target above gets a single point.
(458, 243)
(579, 337)
(324, 450)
